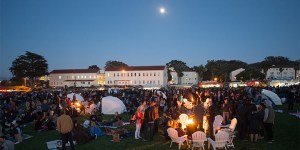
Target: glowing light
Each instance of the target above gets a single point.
(162, 10)
(190, 121)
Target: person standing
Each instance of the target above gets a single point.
(138, 123)
(65, 127)
(149, 117)
(7, 144)
(254, 123)
(210, 117)
(226, 110)
(199, 112)
(269, 118)
(290, 99)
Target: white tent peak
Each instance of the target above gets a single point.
(111, 104)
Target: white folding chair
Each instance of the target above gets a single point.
(231, 131)
(221, 139)
(173, 134)
(217, 123)
(183, 118)
(198, 139)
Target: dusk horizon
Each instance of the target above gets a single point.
(75, 35)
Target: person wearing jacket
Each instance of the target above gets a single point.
(150, 117)
(269, 117)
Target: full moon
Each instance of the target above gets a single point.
(162, 10)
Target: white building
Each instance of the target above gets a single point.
(274, 72)
(136, 75)
(234, 73)
(188, 78)
(74, 77)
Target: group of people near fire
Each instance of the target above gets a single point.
(149, 109)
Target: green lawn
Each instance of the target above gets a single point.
(286, 133)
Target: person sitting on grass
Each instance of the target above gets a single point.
(95, 131)
(79, 134)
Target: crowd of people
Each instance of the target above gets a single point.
(150, 109)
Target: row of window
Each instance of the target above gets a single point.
(133, 74)
(282, 69)
(77, 77)
(136, 82)
(185, 79)
(60, 83)
(278, 73)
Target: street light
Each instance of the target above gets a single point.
(215, 79)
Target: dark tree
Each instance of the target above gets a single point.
(221, 69)
(93, 67)
(200, 70)
(179, 67)
(250, 74)
(30, 65)
(114, 64)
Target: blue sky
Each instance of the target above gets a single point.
(76, 33)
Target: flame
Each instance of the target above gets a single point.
(190, 121)
(77, 104)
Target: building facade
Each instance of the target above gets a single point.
(136, 75)
(188, 78)
(234, 73)
(281, 72)
(75, 78)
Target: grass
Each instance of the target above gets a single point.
(286, 135)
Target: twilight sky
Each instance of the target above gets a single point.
(77, 33)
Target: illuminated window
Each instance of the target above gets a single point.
(59, 77)
(94, 77)
(90, 77)
(107, 74)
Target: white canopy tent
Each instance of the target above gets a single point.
(111, 104)
(273, 96)
(151, 86)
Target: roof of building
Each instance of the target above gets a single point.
(135, 68)
(282, 66)
(74, 71)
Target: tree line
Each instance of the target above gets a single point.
(32, 66)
